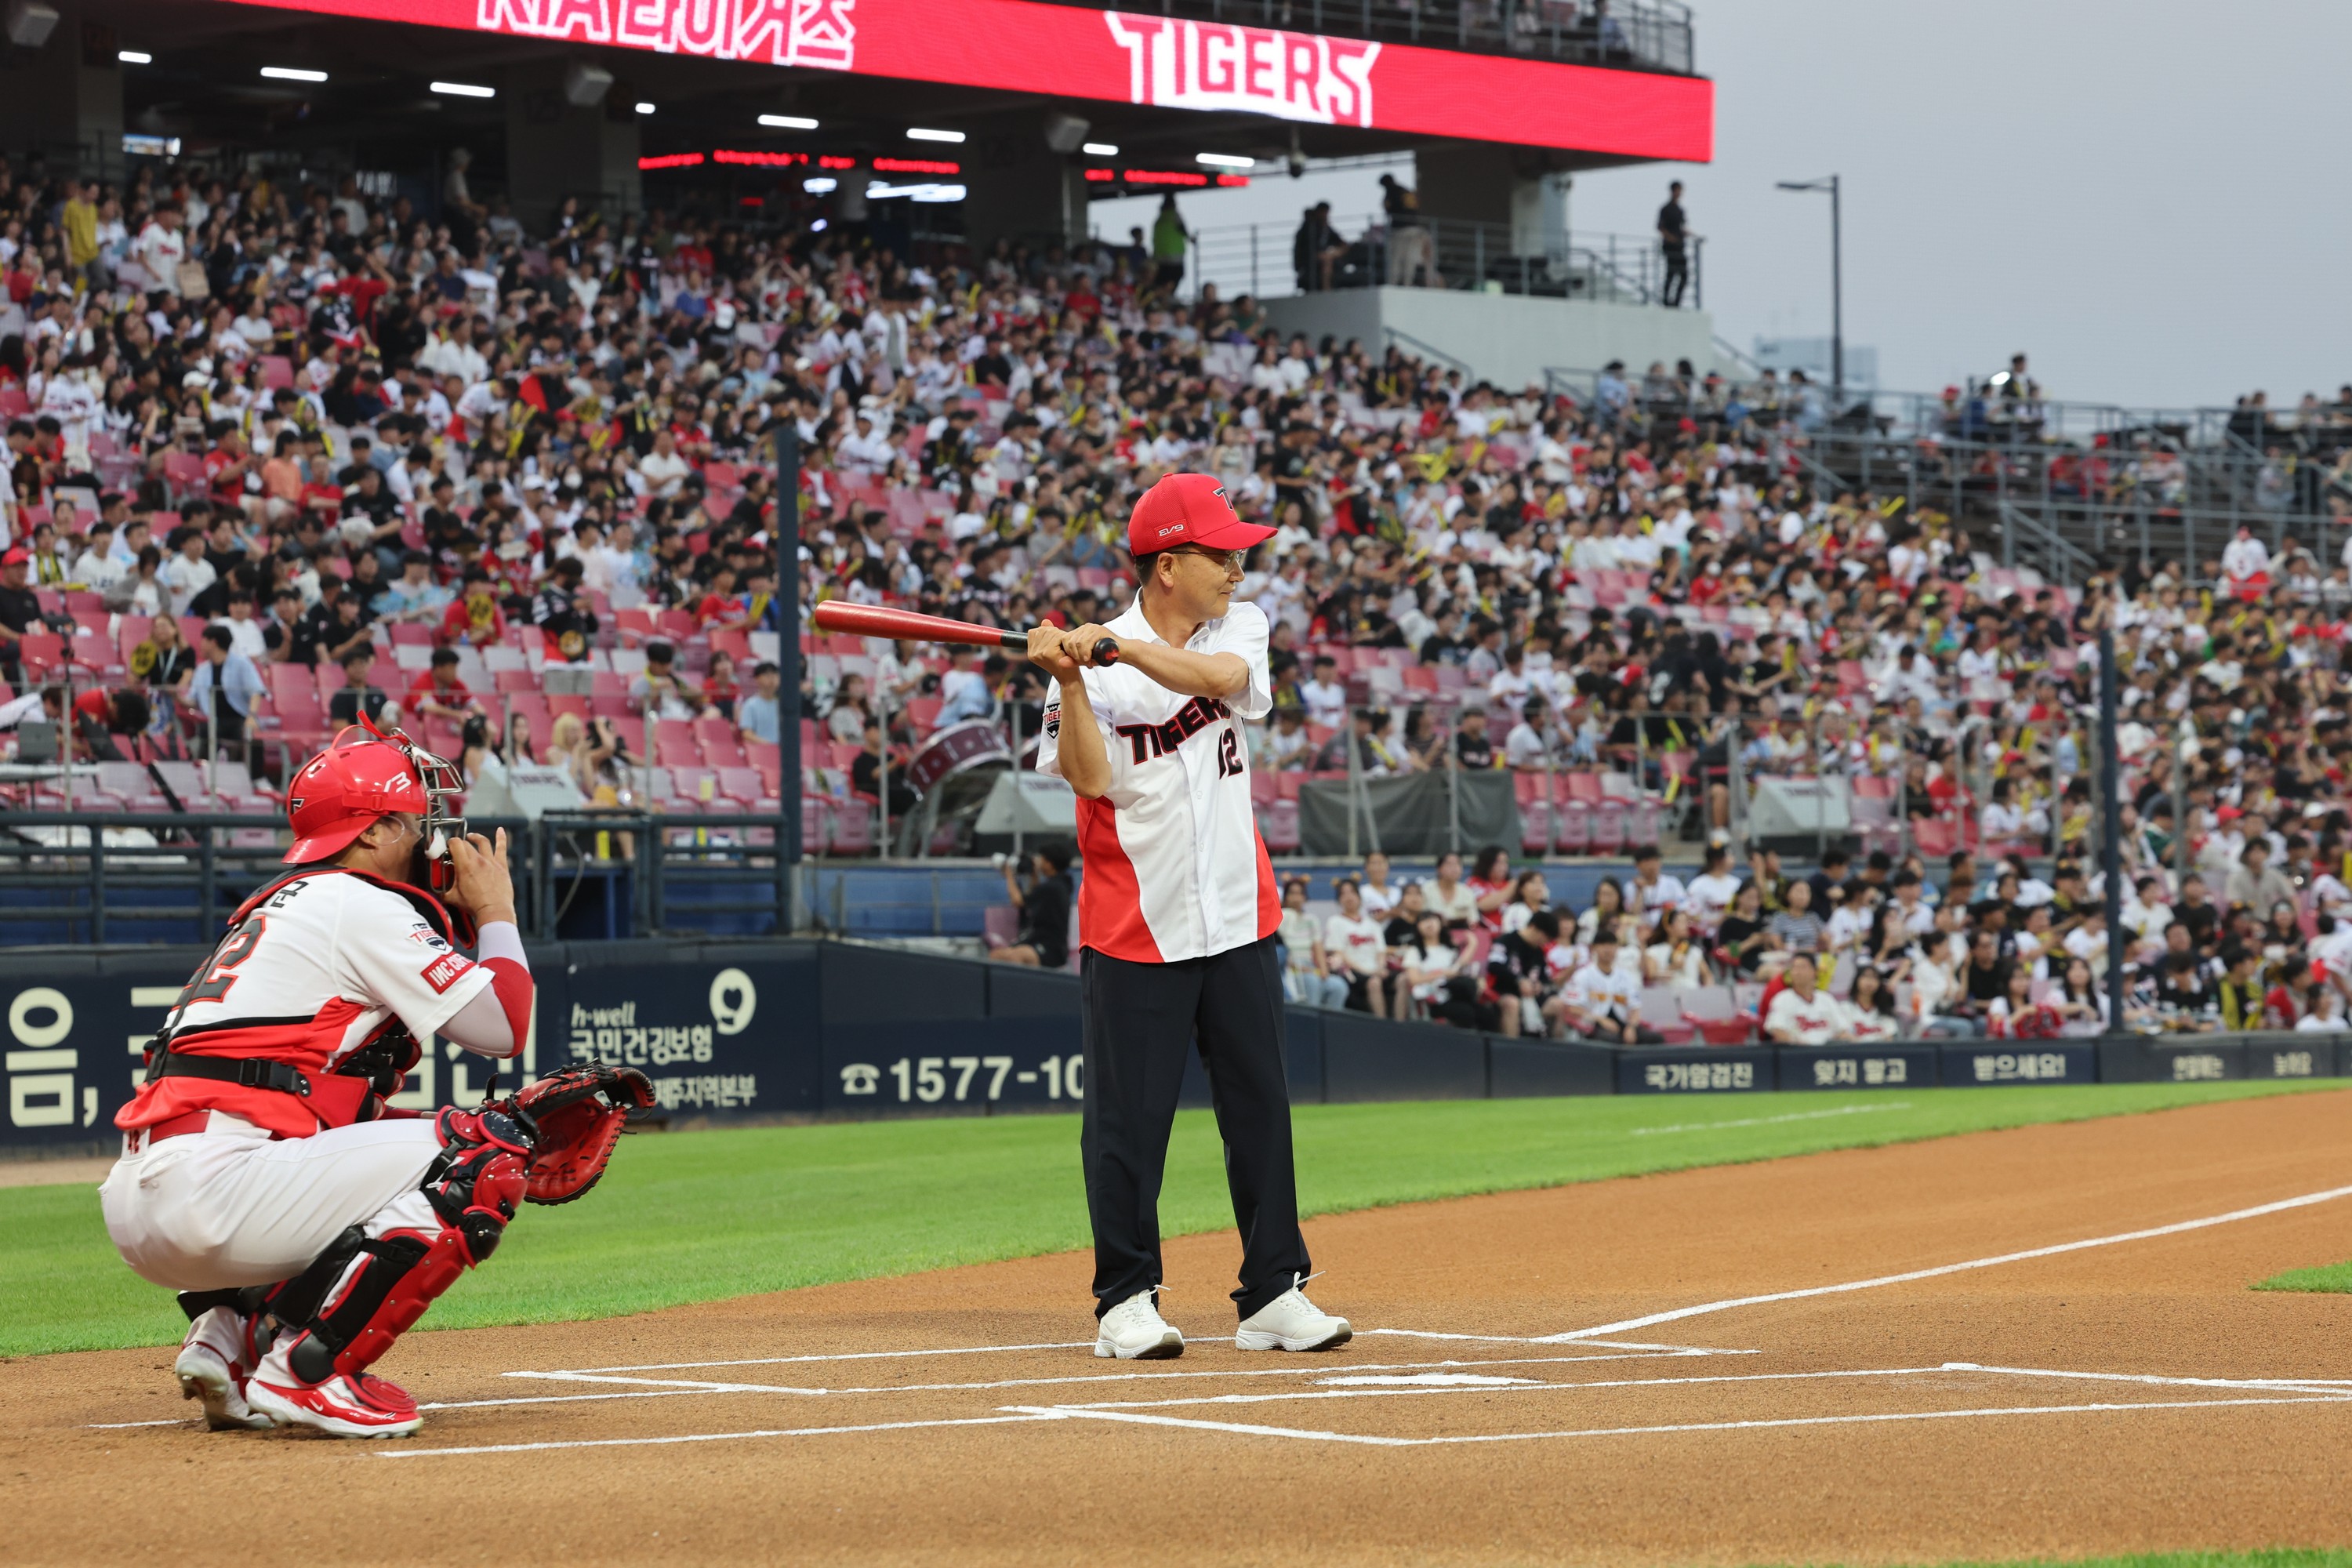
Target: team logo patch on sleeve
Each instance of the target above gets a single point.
(1054, 721)
(446, 971)
(425, 936)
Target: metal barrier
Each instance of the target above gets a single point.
(641, 875)
(1443, 253)
(1651, 35)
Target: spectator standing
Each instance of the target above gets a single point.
(1674, 241)
(20, 610)
(1412, 258)
(1168, 239)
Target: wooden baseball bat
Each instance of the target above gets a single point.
(846, 620)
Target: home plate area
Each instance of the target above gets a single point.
(1395, 1388)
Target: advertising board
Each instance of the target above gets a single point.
(1021, 45)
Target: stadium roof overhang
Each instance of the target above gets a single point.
(865, 70)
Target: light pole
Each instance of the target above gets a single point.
(1837, 287)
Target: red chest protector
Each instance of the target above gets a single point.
(274, 1072)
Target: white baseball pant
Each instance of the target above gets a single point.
(230, 1206)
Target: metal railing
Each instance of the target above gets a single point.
(1464, 254)
(628, 873)
(1643, 35)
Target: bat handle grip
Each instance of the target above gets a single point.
(1106, 648)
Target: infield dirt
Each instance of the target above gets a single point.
(1830, 1428)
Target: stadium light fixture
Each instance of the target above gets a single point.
(1830, 183)
(820, 184)
(1224, 161)
(920, 134)
(644, 108)
(1100, 149)
(464, 90)
(787, 122)
(293, 73)
(134, 57)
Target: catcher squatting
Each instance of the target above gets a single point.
(305, 1224)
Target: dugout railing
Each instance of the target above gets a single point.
(85, 878)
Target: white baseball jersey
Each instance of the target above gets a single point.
(1614, 993)
(1174, 866)
(314, 971)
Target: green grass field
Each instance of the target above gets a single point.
(697, 1217)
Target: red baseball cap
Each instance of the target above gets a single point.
(1189, 509)
(16, 558)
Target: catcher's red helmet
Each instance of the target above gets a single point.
(364, 776)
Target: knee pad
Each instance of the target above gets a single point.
(478, 1178)
(364, 1291)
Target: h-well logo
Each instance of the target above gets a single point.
(818, 32)
(1214, 66)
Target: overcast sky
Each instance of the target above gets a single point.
(2148, 199)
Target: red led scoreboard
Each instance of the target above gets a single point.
(1021, 45)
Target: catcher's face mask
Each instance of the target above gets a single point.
(444, 784)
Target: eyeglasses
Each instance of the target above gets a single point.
(1229, 559)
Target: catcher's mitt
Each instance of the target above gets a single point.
(575, 1117)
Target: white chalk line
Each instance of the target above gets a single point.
(1245, 1429)
(2176, 1228)
(1010, 1420)
(1515, 1385)
(845, 1355)
(2260, 1392)
(673, 1388)
(1771, 1121)
(2313, 1385)
(1553, 1339)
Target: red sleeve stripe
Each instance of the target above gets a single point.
(511, 983)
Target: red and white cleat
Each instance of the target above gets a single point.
(212, 1368)
(359, 1405)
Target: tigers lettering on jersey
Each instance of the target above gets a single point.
(1149, 740)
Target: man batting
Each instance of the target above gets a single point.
(304, 1223)
(1177, 916)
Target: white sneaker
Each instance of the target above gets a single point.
(211, 1368)
(357, 1405)
(1292, 1322)
(1134, 1331)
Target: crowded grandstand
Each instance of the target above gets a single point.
(282, 458)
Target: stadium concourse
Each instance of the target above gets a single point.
(279, 455)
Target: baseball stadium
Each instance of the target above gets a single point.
(1009, 781)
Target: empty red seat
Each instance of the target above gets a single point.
(849, 824)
